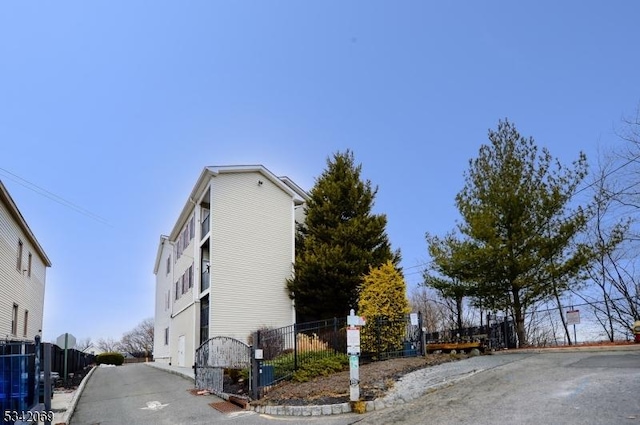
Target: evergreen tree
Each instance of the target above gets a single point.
(448, 271)
(384, 305)
(338, 242)
(521, 236)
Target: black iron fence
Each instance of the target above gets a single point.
(288, 349)
(498, 332)
(277, 354)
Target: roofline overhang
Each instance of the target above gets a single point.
(17, 215)
(163, 239)
(298, 195)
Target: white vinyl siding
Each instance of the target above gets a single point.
(183, 324)
(164, 302)
(17, 287)
(251, 254)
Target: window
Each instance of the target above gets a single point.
(177, 290)
(14, 320)
(185, 236)
(169, 264)
(190, 278)
(166, 336)
(19, 263)
(29, 265)
(26, 321)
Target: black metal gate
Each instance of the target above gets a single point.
(214, 356)
(502, 332)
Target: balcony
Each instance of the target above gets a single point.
(204, 281)
(204, 227)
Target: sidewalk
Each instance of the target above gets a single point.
(63, 402)
(185, 372)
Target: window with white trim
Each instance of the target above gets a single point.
(19, 262)
(26, 321)
(14, 320)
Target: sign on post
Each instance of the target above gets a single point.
(353, 349)
(353, 342)
(66, 341)
(573, 317)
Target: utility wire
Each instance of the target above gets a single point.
(41, 191)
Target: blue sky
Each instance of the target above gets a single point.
(116, 106)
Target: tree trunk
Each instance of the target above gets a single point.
(518, 313)
(459, 308)
(564, 322)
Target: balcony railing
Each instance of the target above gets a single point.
(204, 283)
(204, 227)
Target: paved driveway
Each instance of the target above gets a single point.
(137, 394)
(568, 388)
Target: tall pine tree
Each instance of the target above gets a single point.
(340, 240)
(520, 230)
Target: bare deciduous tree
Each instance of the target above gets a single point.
(83, 343)
(108, 345)
(139, 341)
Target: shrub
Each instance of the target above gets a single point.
(110, 358)
(323, 366)
(383, 302)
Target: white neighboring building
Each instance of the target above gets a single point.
(93, 350)
(23, 269)
(222, 270)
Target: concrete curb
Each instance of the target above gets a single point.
(389, 400)
(171, 371)
(570, 349)
(66, 416)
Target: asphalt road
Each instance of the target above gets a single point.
(137, 394)
(568, 388)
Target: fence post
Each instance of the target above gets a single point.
(423, 339)
(335, 335)
(37, 357)
(295, 346)
(255, 367)
(195, 366)
(46, 358)
(378, 342)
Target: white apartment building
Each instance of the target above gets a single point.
(23, 269)
(222, 270)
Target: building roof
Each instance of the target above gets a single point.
(17, 216)
(163, 239)
(286, 184)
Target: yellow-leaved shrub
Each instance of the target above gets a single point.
(384, 305)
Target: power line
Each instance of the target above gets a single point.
(47, 194)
